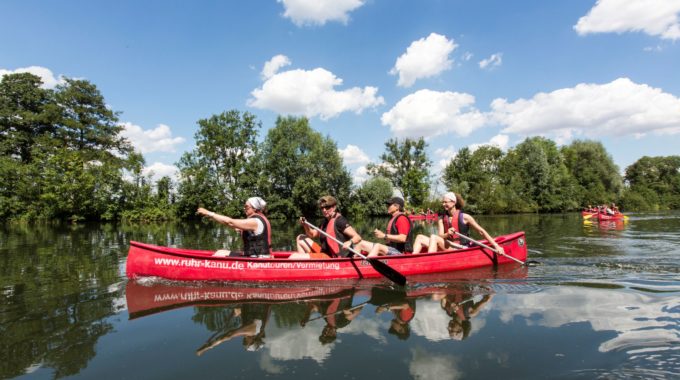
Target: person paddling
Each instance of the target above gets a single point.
(255, 229)
(398, 236)
(334, 225)
(453, 220)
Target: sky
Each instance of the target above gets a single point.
(457, 73)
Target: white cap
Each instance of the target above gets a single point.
(451, 196)
(257, 203)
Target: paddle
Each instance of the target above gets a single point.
(378, 265)
(479, 243)
(339, 311)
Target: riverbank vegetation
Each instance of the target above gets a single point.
(62, 157)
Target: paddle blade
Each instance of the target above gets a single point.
(388, 271)
(588, 216)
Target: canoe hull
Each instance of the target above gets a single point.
(145, 260)
(430, 217)
(611, 217)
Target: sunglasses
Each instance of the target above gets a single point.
(327, 207)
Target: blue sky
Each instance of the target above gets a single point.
(459, 73)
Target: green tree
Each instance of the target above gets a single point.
(53, 174)
(27, 111)
(476, 176)
(594, 170)
(164, 191)
(654, 183)
(405, 164)
(222, 171)
(86, 124)
(536, 179)
(299, 166)
(369, 198)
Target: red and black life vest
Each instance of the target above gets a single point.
(330, 246)
(458, 223)
(407, 246)
(255, 245)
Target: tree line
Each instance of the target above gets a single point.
(62, 157)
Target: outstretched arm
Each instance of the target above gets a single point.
(241, 224)
(472, 222)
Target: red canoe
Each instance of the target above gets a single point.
(618, 216)
(423, 217)
(588, 214)
(145, 260)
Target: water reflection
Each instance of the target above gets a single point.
(309, 319)
(643, 325)
(592, 227)
(603, 304)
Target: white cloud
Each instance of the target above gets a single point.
(352, 154)
(467, 56)
(158, 170)
(499, 141)
(286, 343)
(430, 365)
(424, 58)
(445, 155)
(618, 108)
(428, 113)
(654, 17)
(655, 49)
(360, 175)
(369, 326)
(296, 344)
(431, 321)
(268, 365)
(48, 79)
(272, 66)
(318, 12)
(158, 139)
(649, 325)
(494, 60)
(311, 93)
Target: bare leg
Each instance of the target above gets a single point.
(436, 244)
(298, 256)
(378, 250)
(304, 244)
(420, 242)
(364, 246)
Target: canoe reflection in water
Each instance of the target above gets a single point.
(285, 317)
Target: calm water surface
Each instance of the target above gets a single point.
(603, 303)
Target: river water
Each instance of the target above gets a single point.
(603, 303)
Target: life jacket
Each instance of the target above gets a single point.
(330, 246)
(392, 230)
(406, 314)
(459, 225)
(258, 244)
